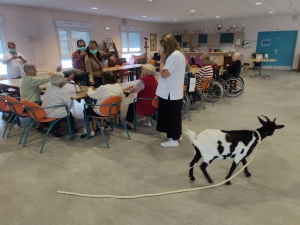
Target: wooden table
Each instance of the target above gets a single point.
(195, 70)
(261, 62)
(70, 87)
(127, 67)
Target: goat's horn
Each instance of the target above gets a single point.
(274, 120)
(268, 120)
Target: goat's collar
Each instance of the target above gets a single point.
(259, 137)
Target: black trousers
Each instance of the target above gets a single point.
(169, 117)
(130, 113)
(72, 121)
(98, 81)
(91, 112)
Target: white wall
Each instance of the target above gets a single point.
(252, 27)
(21, 23)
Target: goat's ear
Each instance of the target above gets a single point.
(279, 126)
(261, 121)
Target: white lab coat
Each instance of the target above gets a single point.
(15, 66)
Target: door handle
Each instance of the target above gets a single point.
(276, 51)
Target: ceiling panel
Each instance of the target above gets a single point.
(166, 11)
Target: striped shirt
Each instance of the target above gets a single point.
(206, 71)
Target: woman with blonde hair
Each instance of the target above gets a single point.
(145, 87)
(170, 90)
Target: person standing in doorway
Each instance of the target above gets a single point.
(14, 61)
(170, 90)
(94, 61)
(79, 55)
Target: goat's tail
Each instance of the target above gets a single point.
(192, 135)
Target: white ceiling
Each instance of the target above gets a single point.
(166, 11)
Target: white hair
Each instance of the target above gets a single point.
(213, 60)
(56, 78)
(28, 66)
(149, 69)
(238, 55)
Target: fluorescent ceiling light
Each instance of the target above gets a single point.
(144, 16)
(258, 3)
(193, 10)
(94, 8)
(150, 0)
(175, 20)
(271, 12)
(106, 28)
(217, 16)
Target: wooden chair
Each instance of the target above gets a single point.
(110, 107)
(17, 111)
(37, 115)
(154, 104)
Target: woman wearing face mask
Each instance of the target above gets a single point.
(170, 90)
(14, 61)
(94, 61)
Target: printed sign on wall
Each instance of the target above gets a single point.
(265, 42)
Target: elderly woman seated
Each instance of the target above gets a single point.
(146, 88)
(109, 88)
(234, 69)
(30, 84)
(205, 72)
(56, 95)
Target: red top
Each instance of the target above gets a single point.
(77, 62)
(144, 107)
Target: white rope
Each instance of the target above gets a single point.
(164, 193)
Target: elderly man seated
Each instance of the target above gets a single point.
(30, 84)
(57, 95)
(234, 69)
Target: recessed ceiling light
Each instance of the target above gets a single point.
(175, 20)
(106, 28)
(150, 0)
(258, 3)
(94, 8)
(217, 16)
(193, 10)
(144, 16)
(271, 12)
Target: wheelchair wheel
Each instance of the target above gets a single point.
(224, 84)
(235, 87)
(214, 93)
(186, 101)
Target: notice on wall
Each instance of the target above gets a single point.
(192, 84)
(238, 42)
(265, 42)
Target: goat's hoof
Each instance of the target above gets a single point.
(192, 178)
(248, 174)
(210, 181)
(228, 183)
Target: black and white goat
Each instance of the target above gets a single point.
(221, 144)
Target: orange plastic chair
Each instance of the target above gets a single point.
(154, 104)
(205, 88)
(17, 111)
(5, 109)
(124, 73)
(38, 115)
(151, 61)
(111, 109)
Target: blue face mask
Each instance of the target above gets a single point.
(12, 50)
(82, 49)
(93, 51)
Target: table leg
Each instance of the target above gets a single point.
(260, 74)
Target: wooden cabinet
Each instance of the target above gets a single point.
(202, 38)
(185, 38)
(194, 40)
(213, 40)
(238, 38)
(226, 38)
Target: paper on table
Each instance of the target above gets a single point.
(192, 84)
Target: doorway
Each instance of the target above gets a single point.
(279, 45)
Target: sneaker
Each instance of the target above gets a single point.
(170, 144)
(168, 139)
(91, 133)
(147, 124)
(129, 126)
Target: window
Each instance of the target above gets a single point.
(68, 43)
(3, 70)
(131, 43)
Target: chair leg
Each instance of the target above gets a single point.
(134, 118)
(154, 124)
(24, 143)
(201, 95)
(69, 128)
(12, 124)
(45, 138)
(102, 132)
(111, 124)
(124, 126)
(7, 123)
(186, 111)
(24, 130)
